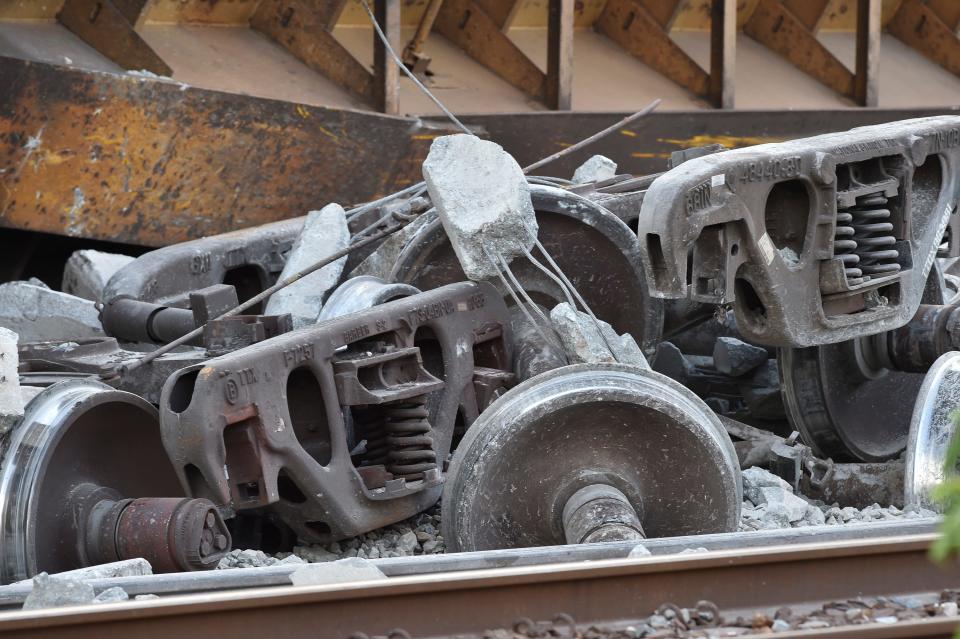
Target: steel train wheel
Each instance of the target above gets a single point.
(541, 442)
(932, 429)
(597, 252)
(844, 407)
(74, 434)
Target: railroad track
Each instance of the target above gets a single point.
(612, 593)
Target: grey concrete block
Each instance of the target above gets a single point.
(584, 342)
(596, 169)
(735, 357)
(336, 572)
(483, 200)
(39, 314)
(50, 592)
(324, 233)
(87, 272)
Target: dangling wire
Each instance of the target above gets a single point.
(410, 74)
(517, 300)
(536, 307)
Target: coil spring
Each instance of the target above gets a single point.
(399, 437)
(864, 240)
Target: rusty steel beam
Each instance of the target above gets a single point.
(919, 26)
(560, 55)
(108, 27)
(133, 160)
(632, 26)
(469, 26)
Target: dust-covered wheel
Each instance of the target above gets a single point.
(585, 425)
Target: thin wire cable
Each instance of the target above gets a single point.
(523, 309)
(580, 299)
(505, 266)
(555, 279)
(408, 72)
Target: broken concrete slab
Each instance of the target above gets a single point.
(324, 233)
(670, 361)
(761, 392)
(585, 343)
(596, 169)
(87, 272)
(11, 398)
(39, 314)
(336, 572)
(112, 595)
(50, 592)
(125, 568)
(735, 357)
(483, 200)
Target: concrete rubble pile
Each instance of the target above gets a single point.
(415, 395)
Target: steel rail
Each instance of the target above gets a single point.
(279, 575)
(602, 592)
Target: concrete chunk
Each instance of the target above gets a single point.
(596, 169)
(39, 314)
(735, 357)
(124, 568)
(50, 592)
(324, 233)
(87, 272)
(11, 398)
(336, 572)
(585, 344)
(483, 200)
(112, 595)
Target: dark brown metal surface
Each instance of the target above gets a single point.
(146, 162)
(598, 592)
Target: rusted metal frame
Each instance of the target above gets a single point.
(630, 24)
(469, 26)
(866, 87)
(776, 27)
(560, 55)
(918, 26)
(602, 592)
(108, 27)
(128, 159)
(386, 74)
(304, 28)
(723, 52)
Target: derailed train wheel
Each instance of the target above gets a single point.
(71, 470)
(846, 405)
(933, 428)
(595, 250)
(615, 431)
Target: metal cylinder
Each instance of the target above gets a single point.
(600, 512)
(136, 321)
(915, 346)
(174, 534)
